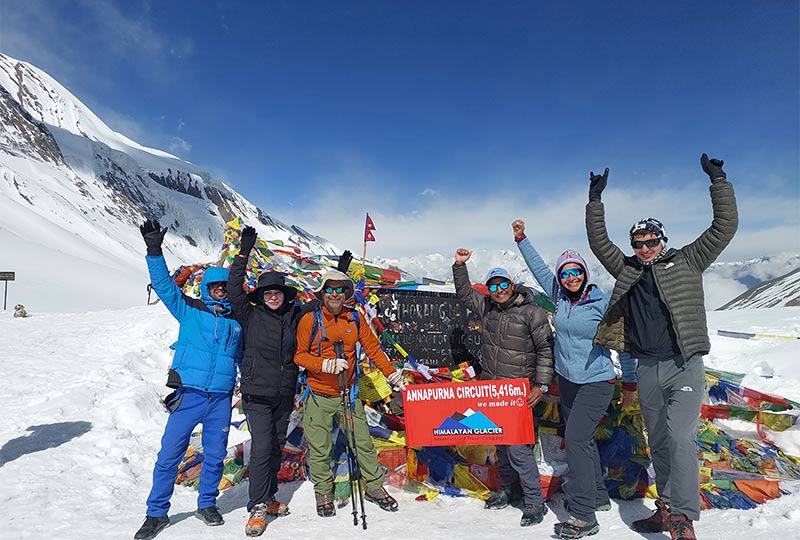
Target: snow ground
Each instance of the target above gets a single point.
(81, 392)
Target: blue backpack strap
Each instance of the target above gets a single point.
(303, 380)
(316, 328)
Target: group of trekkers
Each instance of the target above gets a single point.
(654, 318)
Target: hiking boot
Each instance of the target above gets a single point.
(257, 523)
(325, 507)
(277, 508)
(532, 515)
(575, 528)
(681, 528)
(380, 497)
(210, 516)
(151, 527)
(501, 499)
(658, 522)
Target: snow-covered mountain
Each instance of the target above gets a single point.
(780, 291)
(73, 192)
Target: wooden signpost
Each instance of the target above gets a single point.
(6, 277)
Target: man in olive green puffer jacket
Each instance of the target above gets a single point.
(657, 313)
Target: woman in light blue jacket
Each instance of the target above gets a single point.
(586, 378)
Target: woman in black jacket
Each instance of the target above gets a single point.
(269, 318)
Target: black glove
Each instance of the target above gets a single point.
(247, 240)
(713, 168)
(597, 183)
(344, 261)
(153, 235)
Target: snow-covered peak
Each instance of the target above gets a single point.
(49, 102)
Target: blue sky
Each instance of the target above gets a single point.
(447, 120)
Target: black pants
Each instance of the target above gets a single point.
(584, 406)
(268, 419)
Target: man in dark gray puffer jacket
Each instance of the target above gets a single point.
(516, 342)
(657, 313)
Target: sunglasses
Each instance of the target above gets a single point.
(570, 272)
(651, 243)
(502, 285)
(217, 285)
(331, 290)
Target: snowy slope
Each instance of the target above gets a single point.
(781, 291)
(80, 394)
(73, 192)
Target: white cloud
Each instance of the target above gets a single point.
(428, 192)
(178, 145)
(768, 224)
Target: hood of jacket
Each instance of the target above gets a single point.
(213, 274)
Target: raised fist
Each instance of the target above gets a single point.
(597, 183)
(462, 255)
(713, 168)
(518, 227)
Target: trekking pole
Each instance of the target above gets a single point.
(353, 469)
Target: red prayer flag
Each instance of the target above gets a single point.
(369, 226)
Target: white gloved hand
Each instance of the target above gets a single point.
(397, 380)
(334, 365)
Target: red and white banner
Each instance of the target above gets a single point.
(482, 412)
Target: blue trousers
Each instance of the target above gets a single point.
(213, 410)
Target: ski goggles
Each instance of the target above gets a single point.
(570, 272)
(331, 290)
(650, 242)
(504, 285)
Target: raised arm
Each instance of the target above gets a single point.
(609, 255)
(241, 305)
(708, 246)
(541, 272)
(165, 288)
(464, 291)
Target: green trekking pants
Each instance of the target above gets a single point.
(317, 426)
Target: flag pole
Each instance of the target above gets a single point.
(364, 253)
(364, 256)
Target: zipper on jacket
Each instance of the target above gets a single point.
(669, 310)
(213, 366)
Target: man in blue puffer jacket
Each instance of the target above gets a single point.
(203, 373)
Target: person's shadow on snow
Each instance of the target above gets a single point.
(234, 499)
(41, 438)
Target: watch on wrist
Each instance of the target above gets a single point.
(544, 388)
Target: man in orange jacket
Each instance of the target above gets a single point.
(317, 335)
